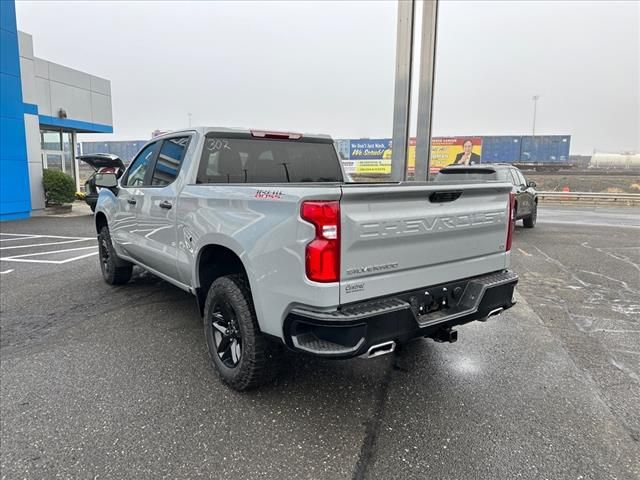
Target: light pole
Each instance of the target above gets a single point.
(189, 115)
(535, 105)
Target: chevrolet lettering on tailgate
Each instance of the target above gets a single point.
(430, 224)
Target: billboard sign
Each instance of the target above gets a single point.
(455, 150)
(374, 156)
(370, 149)
(349, 166)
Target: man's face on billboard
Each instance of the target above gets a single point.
(467, 146)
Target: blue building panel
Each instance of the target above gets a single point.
(15, 195)
(8, 15)
(10, 86)
(8, 51)
(77, 125)
(12, 139)
(30, 108)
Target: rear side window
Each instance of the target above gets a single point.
(138, 168)
(169, 160)
(243, 160)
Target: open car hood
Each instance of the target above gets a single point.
(101, 160)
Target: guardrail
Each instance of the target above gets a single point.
(592, 197)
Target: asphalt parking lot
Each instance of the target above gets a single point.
(104, 382)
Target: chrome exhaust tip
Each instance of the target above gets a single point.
(380, 349)
(493, 313)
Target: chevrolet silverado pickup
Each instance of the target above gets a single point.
(281, 252)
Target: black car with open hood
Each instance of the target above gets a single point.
(99, 161)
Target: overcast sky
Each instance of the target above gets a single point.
(329, 66)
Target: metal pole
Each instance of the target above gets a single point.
(425, 88)
(402, 95)
(189, 115)
(76, 162)
(535, 105)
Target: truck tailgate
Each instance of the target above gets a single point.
(407, 236)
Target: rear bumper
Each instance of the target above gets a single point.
(353, 329)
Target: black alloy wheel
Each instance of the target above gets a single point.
(226, 334)
(243, 357)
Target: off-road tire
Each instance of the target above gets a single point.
(260, 358)
(530, 221)
(115, 271)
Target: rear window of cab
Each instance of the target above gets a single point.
(257, 160)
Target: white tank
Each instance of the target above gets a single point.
(615, 160)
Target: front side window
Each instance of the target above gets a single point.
(169, 160)
(521, 178)
(514, 177)
(139, 167)
(243, 160)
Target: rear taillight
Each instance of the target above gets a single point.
(511, 220)
(322, 256)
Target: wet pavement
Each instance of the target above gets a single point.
(110, 382)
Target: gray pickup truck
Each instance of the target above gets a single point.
(280, 251)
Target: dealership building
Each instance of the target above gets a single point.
(43, 107)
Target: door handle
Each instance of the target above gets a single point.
(166, 204)
(131, 201)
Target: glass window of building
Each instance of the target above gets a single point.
(51, 140)
(57, 151)
(67, 153)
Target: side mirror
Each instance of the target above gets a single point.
(532, 184)
(106, 180)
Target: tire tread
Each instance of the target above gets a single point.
(260, 357)
(118, 275)
(528, 221)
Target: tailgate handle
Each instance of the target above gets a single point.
(441, 197)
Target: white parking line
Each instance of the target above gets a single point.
(24, 255)
(19, 234)
(54, 262)
(26, 236)
(79, 239)
(6, 271)
(17, 238)
(80, 252)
